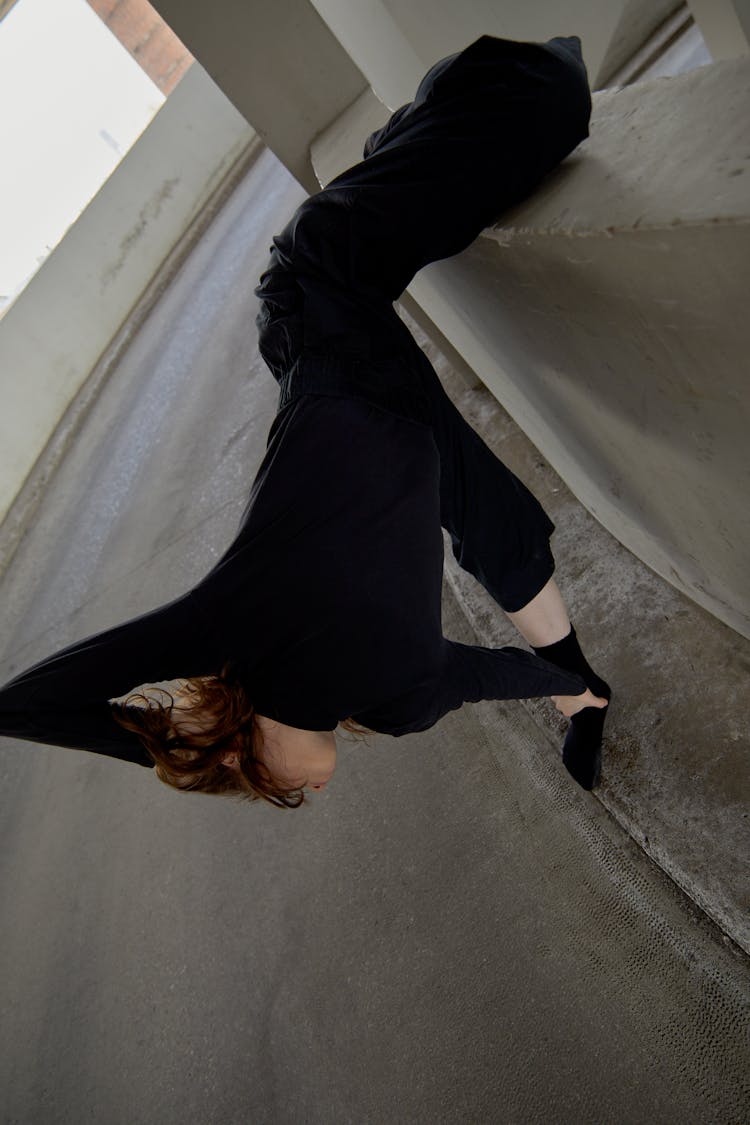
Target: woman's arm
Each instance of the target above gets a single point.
(64, 700)
(471, 673)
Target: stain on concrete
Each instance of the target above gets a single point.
(148, 214)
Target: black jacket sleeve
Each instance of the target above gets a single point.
(64, 700)
(471, 673)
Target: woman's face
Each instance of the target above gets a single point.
(297, 758)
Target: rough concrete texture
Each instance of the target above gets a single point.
(452, 932)
(676, 770)
(607, 314)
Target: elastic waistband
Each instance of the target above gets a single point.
(391, 384)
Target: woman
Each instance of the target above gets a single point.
(325, 609)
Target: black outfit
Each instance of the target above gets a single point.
(327, 602)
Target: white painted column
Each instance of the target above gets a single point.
(278, 63)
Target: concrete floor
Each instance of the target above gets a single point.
(444, 935)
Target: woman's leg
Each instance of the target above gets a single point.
(544, 620)
(545, 624)
(500, 535)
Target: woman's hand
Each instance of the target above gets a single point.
(572, 704)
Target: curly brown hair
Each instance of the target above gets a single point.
(188, 751)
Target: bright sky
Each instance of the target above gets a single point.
(73, 102)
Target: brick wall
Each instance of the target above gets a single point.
(5, 7)
(146, 36)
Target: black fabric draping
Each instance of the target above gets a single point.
(327, 602)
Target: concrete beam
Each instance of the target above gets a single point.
(278, 63)
(724, 25)
(394, 43)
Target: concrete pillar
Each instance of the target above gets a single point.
(724, 25)
(278, 63)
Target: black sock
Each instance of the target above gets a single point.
(582, 746)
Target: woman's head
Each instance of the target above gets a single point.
(202, 737)
(207, 736)
(296, 758)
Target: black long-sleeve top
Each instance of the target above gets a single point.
(327, 602)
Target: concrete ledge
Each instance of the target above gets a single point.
(676, 768)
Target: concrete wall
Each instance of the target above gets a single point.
(54, 333)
